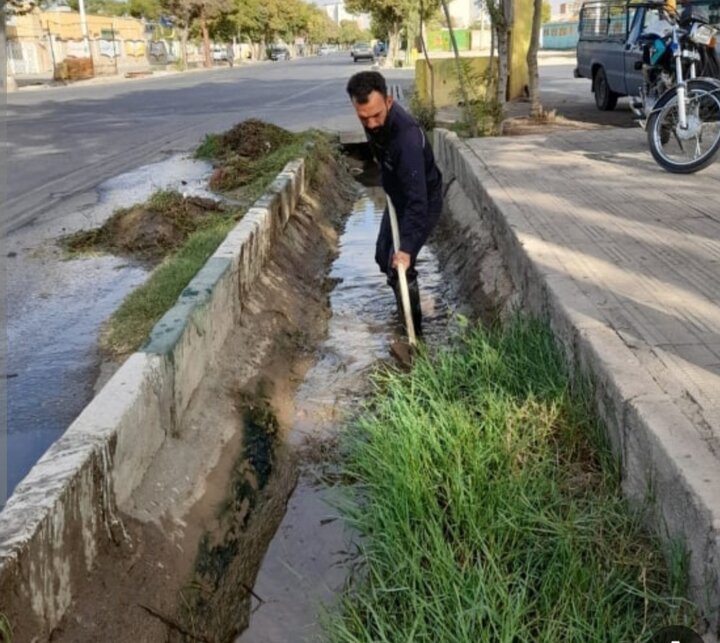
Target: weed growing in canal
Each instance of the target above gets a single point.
(490, 510)
(6, 633)
(224, 566)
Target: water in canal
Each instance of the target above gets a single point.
(56, 308)
(309, 559)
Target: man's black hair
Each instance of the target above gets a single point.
(364, 83)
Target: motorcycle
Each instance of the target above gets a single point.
(679, 101)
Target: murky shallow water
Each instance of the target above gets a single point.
(55, 310)
(310, 557)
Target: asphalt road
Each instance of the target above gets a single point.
(65, 140)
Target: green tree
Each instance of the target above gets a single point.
(391, 17)
(202, 13)
(223, 29)
(546, 12)
(102, 7)
(349, 32)
(320, 28)
(247, 17)
(388, 16)
(148, 9)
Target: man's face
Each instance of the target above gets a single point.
(374, 113)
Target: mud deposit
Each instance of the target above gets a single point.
(150, 230)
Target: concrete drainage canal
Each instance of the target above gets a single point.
(309, 558)
(232, 532)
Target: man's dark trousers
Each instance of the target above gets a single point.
(384, 251)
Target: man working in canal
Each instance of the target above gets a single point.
(409, 176)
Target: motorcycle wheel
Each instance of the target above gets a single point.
(684, 152)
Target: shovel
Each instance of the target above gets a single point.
(402, 351)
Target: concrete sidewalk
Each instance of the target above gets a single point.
(624, 259)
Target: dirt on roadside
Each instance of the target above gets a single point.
(253, 138)
(549, 122)
(149, 231)
(184, 568)
(240, 155)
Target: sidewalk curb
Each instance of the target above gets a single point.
(664, 461)
(67, 506)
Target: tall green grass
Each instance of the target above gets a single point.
(490, 510)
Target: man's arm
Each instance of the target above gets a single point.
(415, 223)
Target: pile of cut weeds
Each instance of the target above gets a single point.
(253, 138)
(246, 152)
(149, 231)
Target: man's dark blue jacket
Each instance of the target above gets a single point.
(409, 176)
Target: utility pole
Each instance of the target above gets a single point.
(116, 53)
(83, 26)
(51, 46)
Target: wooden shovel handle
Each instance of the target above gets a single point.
(404, 291)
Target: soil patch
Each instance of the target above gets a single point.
(150, 230)
(524, 125)
(244, 153)
(199, 524)
(253, 138)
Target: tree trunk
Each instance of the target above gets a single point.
(431, 71)
(393, 45)
(8, 85)
(503, 51)
(183, 46)
(536, 108)
(206, 41)
(411, 32)
(458, 67)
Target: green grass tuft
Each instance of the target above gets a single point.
(6, 631)
(209, 149)
(490, 511)
(130, 325)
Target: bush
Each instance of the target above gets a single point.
(424, 111)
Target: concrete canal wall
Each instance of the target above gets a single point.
(70, 503)
(669, 467)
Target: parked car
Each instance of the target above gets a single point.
(609, 49)
(219, 52)
(361, 51)
(325, 50)
(279, 52)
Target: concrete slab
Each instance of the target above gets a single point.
(624, 260)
